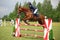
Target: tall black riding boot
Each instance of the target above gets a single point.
(36, 15)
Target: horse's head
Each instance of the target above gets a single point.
(19, 9)
(22, 9)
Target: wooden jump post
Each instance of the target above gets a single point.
(48, 27)
(31, 29)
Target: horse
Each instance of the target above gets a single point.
(29, 15)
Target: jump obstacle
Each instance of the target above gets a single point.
(47, 28)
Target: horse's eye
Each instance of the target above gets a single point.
(19, 9)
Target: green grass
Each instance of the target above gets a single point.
(6, 32)
(56, 30)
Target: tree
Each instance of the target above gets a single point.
(6, 18)
(39, 7)
(58, 7)
(58, 12)
(13, 14)
(26, 5)
(47, 8)
(34, 3)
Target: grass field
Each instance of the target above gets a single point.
(6, 32)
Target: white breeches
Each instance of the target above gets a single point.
(35, 11)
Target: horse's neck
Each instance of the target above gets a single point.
(25, 9)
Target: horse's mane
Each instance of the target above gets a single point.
(25, 9)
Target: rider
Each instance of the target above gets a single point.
(33, 9)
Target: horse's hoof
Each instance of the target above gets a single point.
(26, 24)
(38, 24)
(35, 24)
(13, 34)
(20, 35)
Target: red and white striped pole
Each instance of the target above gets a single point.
(17, 28)
(48, 27)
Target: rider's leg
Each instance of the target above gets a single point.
(35, 12)
(36, 15)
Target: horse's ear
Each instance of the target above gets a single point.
(19, 7)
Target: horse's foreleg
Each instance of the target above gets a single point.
(25, 20)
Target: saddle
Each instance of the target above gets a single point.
(36, 15)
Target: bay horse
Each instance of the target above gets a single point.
(29, 15)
